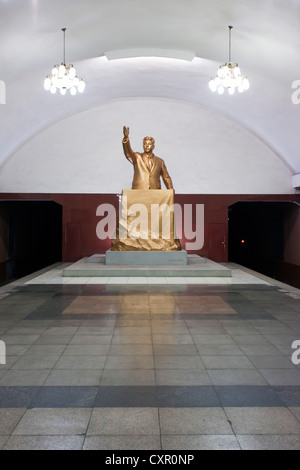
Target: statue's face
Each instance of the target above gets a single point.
(148, 145)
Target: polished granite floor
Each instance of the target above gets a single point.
(171, 364)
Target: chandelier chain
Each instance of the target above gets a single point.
(230, 28)
(64, 47)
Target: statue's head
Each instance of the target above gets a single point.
(148, 143)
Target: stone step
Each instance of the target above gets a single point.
(195, 267)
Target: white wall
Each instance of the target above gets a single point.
(205, 153)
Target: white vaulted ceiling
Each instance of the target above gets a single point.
(265, 43)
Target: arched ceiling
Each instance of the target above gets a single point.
(265, 43)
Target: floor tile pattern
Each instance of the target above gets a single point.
(148, 364)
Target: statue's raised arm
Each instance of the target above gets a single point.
(126, 132)
(128, 152)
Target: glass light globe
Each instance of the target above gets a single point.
(240, 88)
(231, 91)
(81, 86)
(72, 72)
(47, 83)
(64, 82)
(63, 91)
(75, 81)
(73, 90)
(55, 70)
(53, 89)
(236, 72)
(226, 70)
(61, 70)
(227, 82)
(220, 90)
(245, 83)
(55, 81)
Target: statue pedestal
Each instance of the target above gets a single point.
(146, 223)
(196, 267)
(146, 258)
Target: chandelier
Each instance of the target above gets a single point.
(63, 77)
(229, 76)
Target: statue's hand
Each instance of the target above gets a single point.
(126, 132)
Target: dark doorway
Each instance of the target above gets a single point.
(256, 233)
(30, 235)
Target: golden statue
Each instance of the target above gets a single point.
(146, 217)
(148, 168)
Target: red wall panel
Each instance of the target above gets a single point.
(80, 219)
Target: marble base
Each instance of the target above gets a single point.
(148, 258)
(95, 266)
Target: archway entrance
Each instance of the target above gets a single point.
(30, 237)
(263, 236)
